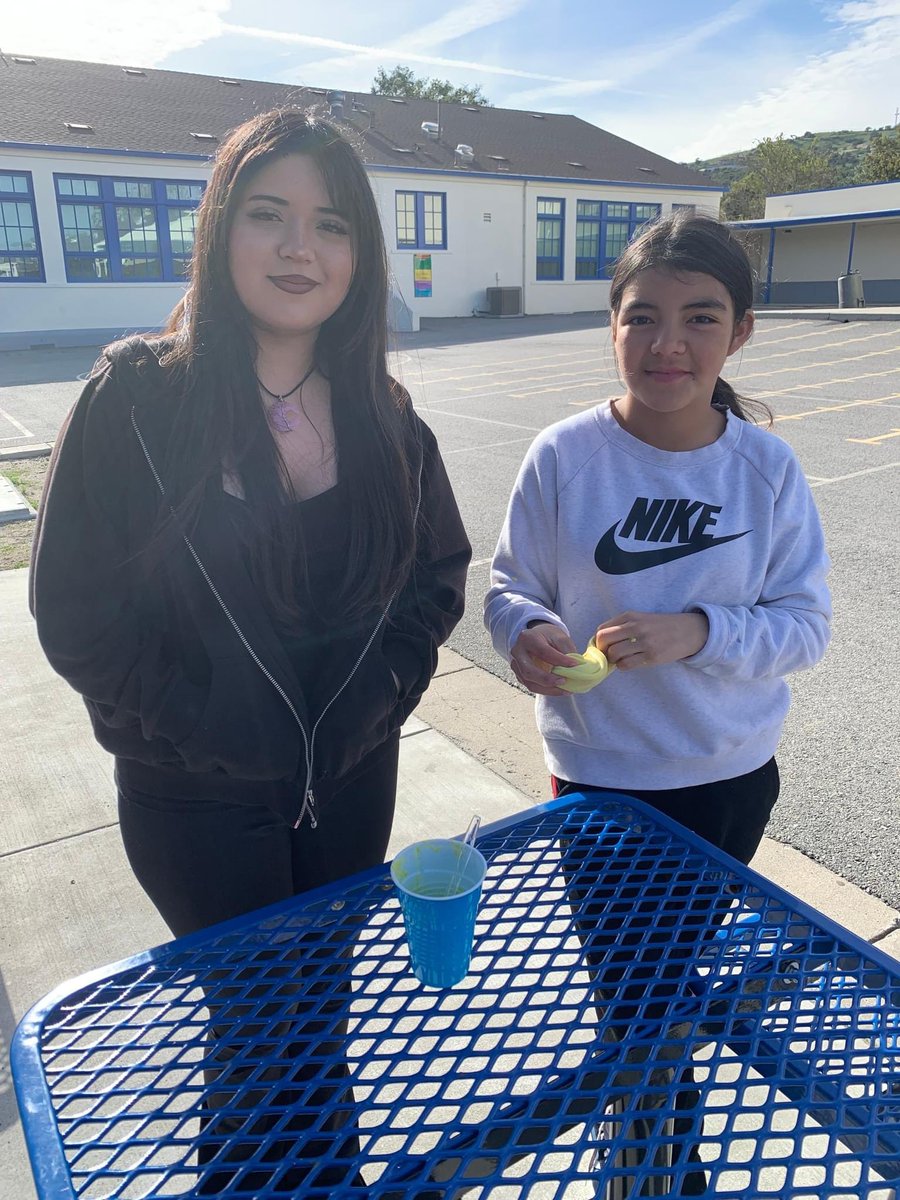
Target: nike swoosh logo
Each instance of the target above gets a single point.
(613, 560)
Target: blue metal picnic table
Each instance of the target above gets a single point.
(639, 1006)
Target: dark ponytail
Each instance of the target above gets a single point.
(686, 242)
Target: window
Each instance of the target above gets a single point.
(603, 229)
(126, 230)
(20, 250)
(421, 220)
(550, 219)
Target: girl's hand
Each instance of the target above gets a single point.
(537, 650)
(635, 639)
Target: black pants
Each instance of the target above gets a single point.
(202, 861)
(731, 814)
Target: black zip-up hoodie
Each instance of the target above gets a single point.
(183, 673)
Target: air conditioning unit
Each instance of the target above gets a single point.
(431, 129)
(504, 301)
(464, 152)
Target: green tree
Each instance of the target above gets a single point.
(777, 166)
(882, 161)
(402, 82)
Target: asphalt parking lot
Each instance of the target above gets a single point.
(487, 387)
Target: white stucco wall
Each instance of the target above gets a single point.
(480, 253)
(58, 305)
(869, 197)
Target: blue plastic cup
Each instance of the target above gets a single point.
(439, 883)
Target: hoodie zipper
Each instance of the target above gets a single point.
(308, 806)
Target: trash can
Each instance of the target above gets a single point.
(850, 291)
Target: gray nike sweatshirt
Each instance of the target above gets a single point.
(598, 523)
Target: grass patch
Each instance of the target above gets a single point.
(26, 474)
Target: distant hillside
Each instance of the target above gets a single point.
(844, 148)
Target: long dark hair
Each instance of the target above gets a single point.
(209, 352)
(685, 241)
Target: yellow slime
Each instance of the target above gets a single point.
(592, 668)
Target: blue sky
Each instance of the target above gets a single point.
(688, 79)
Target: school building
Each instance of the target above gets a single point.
(485, 210)
(808, 240)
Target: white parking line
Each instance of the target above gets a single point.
(855, 474)
(18, 425)
(491, 421)
(487, 446)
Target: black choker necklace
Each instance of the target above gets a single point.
(280, 414)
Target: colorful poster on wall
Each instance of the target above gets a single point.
(422, 274)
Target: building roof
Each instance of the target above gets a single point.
(887, 214)
(43, 101)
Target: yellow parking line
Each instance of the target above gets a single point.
(845, 342)
(873, 441)
(834, 362)
(829, 408)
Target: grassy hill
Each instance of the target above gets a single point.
(844, 148)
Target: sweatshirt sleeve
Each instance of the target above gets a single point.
(788, 628)
(432, 603)
(524, 569)
(82, 588)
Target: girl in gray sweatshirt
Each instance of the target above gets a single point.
(679, 538)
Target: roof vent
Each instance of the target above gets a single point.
(78, 127)
(205, 137)
(431, 129)
(649, 170)
(498, 157)
(21, 59)
(134, 71)
(574, 164)
(336, 105)
(231, 82)
(466, 153)
(538, 116)
(396, 100)
(403, 150)
(471, 108)
(357, 107)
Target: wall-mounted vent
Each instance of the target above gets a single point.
(231, 82)
(79, 127)
(431, 129)
(135, 71)
(205, 137)
(24, 61)
(486, 217)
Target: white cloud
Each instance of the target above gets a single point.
(386, 52)
(459, 22)
(849, 88)
(98, 31)
(626, 67)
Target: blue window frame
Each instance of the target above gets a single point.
(551, 219)
(117, 230)
(20, 246)
(421, 220)
(603, 228)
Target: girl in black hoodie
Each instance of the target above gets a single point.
(248, 551)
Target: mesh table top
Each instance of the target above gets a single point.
(639, 1008)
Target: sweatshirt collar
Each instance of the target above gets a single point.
(671, 459)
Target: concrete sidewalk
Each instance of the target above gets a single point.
(69, 900)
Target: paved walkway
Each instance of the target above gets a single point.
(70, 903)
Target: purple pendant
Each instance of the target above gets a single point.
(280, 415)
